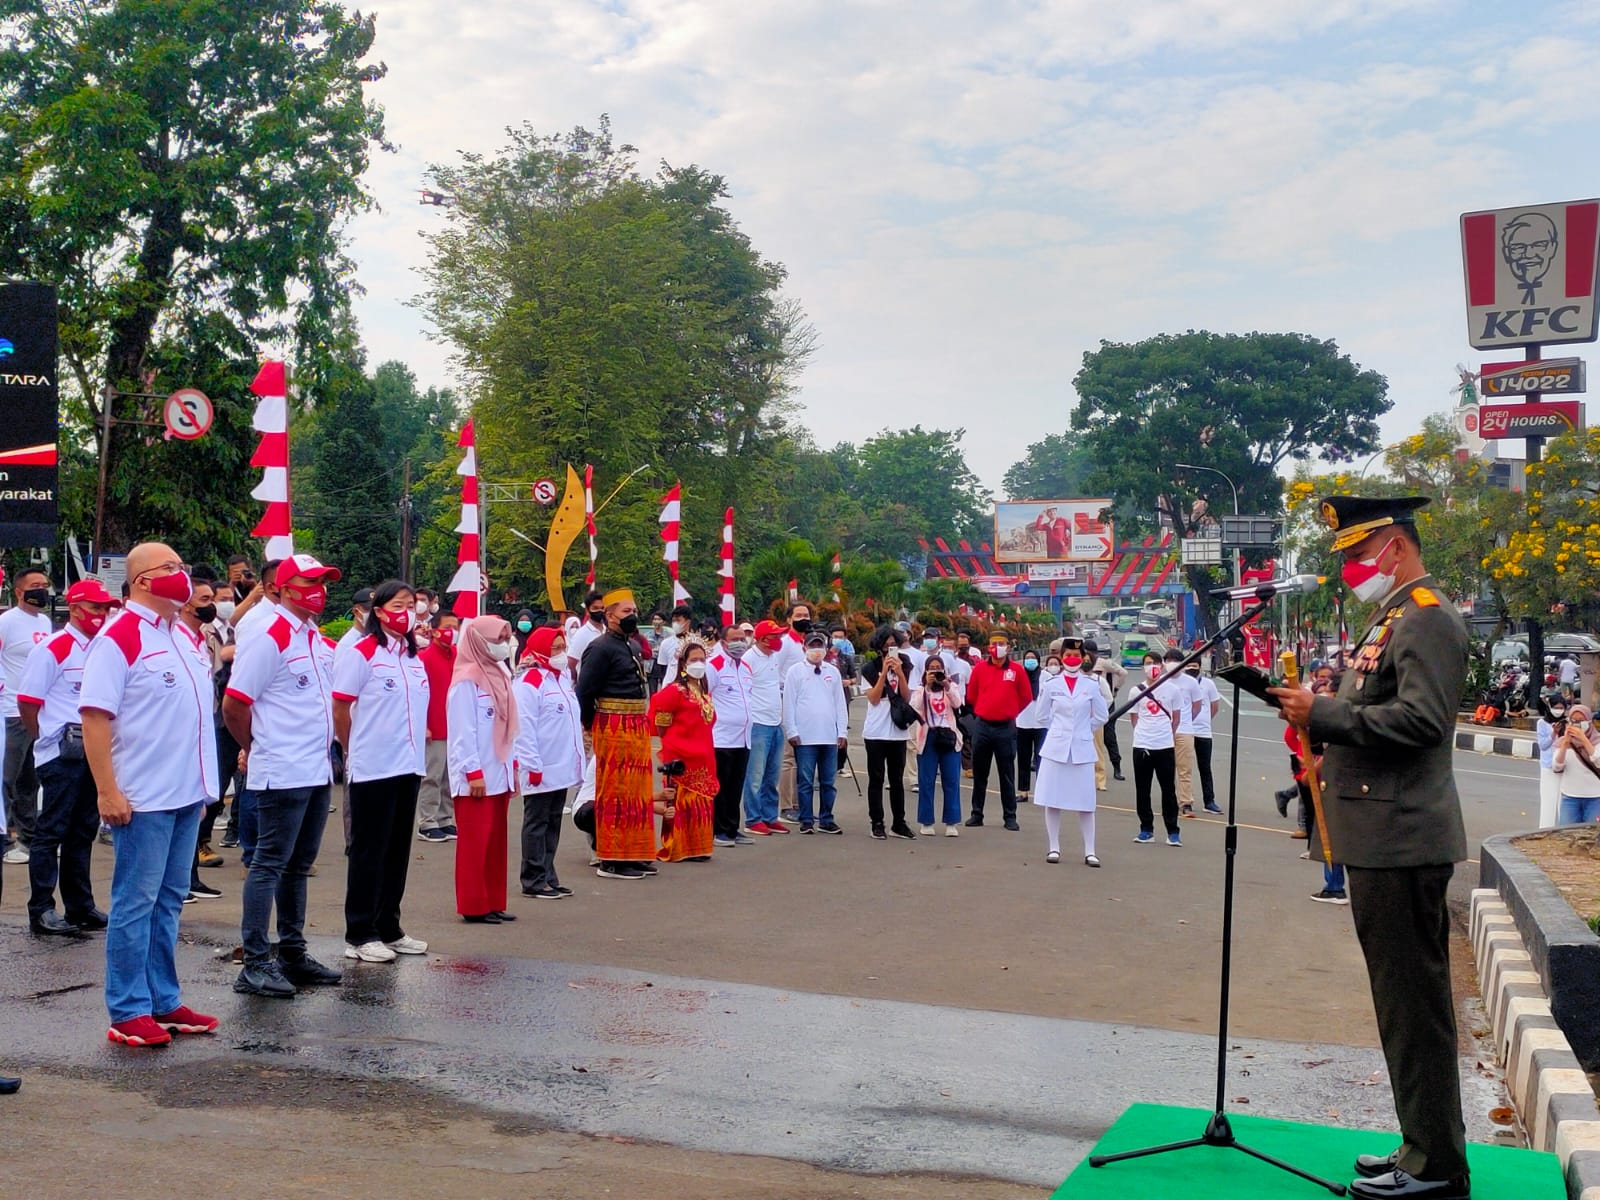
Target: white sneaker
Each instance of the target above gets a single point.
(408, 945)
(925, 830)
(369, 952)
(16, 855)
(952, 831)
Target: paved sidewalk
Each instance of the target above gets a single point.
(1488, 739)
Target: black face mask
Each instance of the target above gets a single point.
(629, 625)
(800, 626)
(598, 616)
(38, 597)
(207, 613)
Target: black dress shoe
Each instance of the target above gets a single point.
(1011, 824)
(482, 919)
(9, 1085)
(1370, 1166)
(1118, 775)
(973, 822)
(93, 921)
(53, 924)
(503, 916)
(1401, 1185)
(308, 972)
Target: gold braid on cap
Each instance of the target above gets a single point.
(617, 596)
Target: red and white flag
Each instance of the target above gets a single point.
(726, 569)
(467, 582)
(794, 591)
(271, 421)
(588, 520)
(671, 516)
(838, 577)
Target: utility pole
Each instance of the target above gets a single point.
(405, 524)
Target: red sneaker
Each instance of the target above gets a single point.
(141, 1031)
(759, 828)
(777, 827)
(184, 1019)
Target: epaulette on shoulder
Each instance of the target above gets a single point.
(1425, 597)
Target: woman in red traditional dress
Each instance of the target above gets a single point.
(682, 716)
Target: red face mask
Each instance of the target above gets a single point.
(772, 645)
(92, 622)
(175, 587)
(397, 622)
(1072, 661)
(445, 637)
(312, 597)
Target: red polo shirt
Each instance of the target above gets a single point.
(998, 691)
(440, 661)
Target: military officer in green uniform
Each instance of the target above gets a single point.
(1394, 820)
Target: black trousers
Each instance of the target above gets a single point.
(732, 763)
(995, 742)
(1109, 730)
(63, 837)
(1202, 767)
(541, 834)
(887, 756)
(382, 812)
(1404, 931)
(1163, 766)
(1028, 743)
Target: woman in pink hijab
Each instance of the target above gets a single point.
(481, 714)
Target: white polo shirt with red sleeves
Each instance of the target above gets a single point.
(52, 680)
(469, 710)
(163, 742)
(20, 632)
(286, 676)
(387, 687)
(729, 682)
(550, 731)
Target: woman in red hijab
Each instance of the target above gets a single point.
(682, 716)
(481, 713)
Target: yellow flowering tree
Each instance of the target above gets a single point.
(1547, 554)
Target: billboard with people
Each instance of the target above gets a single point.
(1053, 531)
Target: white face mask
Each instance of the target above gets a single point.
(225, 610)
(680, 627)
(695, 670)
(1001, 651)
(1580, 726)
(815, 656)
(558, 662)
(1053, 669)
(1153, 671)
(502, 650)
(422, 608)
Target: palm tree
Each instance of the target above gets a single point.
(766, 576)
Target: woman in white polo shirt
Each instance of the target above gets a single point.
(380, 713)
(482, 716)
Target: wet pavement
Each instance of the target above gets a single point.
(863, 1085)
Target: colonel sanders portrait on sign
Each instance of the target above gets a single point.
(1529, 243)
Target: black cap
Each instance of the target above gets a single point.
(1090, 646)
(1071, 643)
(363, 597)
(816, 638)
(1352, 518)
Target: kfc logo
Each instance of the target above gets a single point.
(1531, 274)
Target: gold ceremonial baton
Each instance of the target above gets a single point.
(1291, 678)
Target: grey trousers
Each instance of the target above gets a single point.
(21, 783)
(436, 808)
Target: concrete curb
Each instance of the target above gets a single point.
(1564, 953)
(1504, 744)
(1547, 1085)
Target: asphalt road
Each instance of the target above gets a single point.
(942, 1005)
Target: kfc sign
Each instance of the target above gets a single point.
(1549, 418)
(1531, 274)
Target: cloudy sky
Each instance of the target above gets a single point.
(970, 195)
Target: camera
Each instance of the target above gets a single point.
(673, 768)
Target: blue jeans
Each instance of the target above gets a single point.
(947, 767)
(761, 776)
(291, 822)
(816, 768)
(1333, 877)
(249, 823)
(149, 881)
(1577, 810)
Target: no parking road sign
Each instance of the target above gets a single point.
(188, 414)
(544, 491)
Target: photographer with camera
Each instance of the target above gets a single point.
(1574, 762)
(890, 720)
(938, 745)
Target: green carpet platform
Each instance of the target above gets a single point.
(1214, 1173)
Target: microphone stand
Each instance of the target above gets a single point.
(1219, 1131)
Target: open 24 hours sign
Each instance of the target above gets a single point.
(1545, 418)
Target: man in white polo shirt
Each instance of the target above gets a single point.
(22, 627)
(69, 817)
(279, 707)
(148, 738)
(729, 682)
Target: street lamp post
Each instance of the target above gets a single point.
(1238, 558)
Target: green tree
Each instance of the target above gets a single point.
(1054, 468)
(926, 472)
(355, 521)
(609, 318)
(180, 170)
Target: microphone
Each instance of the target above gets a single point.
(1293, 585)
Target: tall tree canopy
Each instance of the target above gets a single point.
(180, 170)
(1054, 468)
